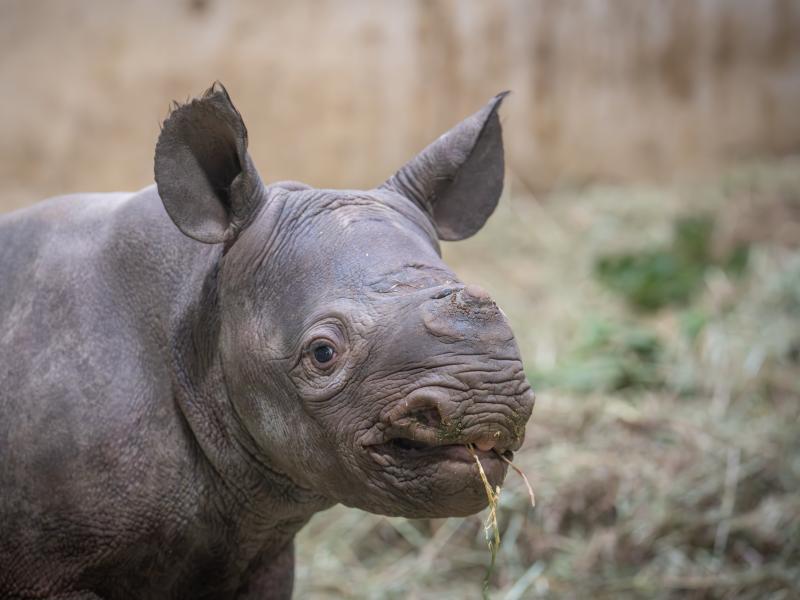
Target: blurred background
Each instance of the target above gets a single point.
(646, 250)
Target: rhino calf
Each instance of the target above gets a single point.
(189, 372)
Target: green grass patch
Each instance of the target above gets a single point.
(608, 357)
(652, 279)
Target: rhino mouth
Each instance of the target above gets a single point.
(412, 448)
(418, 444)
(427, 431)
(452, 461)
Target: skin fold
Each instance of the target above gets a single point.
(191, 371)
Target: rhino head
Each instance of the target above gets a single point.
(357, 362)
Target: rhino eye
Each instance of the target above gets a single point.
(323, 354)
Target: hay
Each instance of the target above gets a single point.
(490, 527)
(524, 478)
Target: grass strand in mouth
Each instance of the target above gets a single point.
(491, 528)
(524, 478)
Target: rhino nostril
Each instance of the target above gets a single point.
(429, 417)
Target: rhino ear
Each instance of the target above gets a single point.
(205, 176)
(458, 179)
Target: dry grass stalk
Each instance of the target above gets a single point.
(491, 528)
(524, 478)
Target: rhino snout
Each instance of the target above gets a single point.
(431, 417)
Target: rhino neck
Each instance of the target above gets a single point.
(237, 475)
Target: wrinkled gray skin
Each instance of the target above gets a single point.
(166, 422)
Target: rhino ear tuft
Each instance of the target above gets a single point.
(205, 176)
(458, 178)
